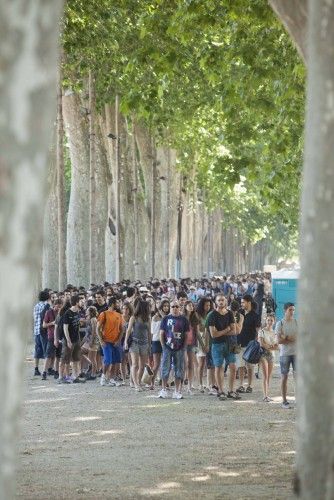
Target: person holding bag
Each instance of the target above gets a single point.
(268, 343)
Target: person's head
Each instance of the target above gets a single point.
(189, 307)
(164, 307)
(43, 296)
(67, 294)
(142, 310)
(204, 305)
(289, 309)
(82, 301)
(182, 298)
(270, 320)
(53, 297)
(57, 305)
(127, 310)
(99, 297)
(221, 301)
(234, 306)
(75, 301)
(175, 308)
(246, 302)
(130, 291)
(91, 312)
(112, 303)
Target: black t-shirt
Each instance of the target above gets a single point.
(103, 307)
(72, 319)
(248, 331)
(220, 321)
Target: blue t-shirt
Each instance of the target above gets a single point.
(175, 329)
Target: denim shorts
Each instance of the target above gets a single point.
(221, 352)
(41, 342)
(209, 361)
(156, 347)
(111, 354)
(285, 362)
(169, 356)
(52, 351)
(141, 349)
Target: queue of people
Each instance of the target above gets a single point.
(177, 336)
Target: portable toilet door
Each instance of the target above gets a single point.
(284, 289)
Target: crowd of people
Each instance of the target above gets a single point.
(176, 337)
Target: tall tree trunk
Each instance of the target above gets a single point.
(315, 459)
(293, 14)
(153, 206)
(77, 249)
(135, 199)
(167, 230)
(178, 268)
(29, 31)
(61, 216)
(117, 192)
(92, 182)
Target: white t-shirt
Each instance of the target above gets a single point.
(267, 336)
(155, 330)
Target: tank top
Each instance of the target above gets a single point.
(140, 332)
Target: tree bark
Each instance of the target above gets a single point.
(153, 206)
(293, 14)
(117, 192)
(61, 215)
(29, 31)
(135, 200)
(92, 183)
(315, 458)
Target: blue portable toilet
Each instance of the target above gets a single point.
(284, 289)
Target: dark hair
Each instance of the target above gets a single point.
(92, 311)
(247, 297)
(65, 308)
(142, 310)
(129, 306)
(112, 301)
(100, 292)
(130, 291)
(181, 295)
(163, 303)
(58, 302)
(43, 295)
(234, 305)
(193, 317)
(287, 305)
(74, 300)
(200, 306)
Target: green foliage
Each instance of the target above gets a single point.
(225, 81)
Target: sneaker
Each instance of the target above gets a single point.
(82, 379)
(91, 377)
(233, 395)
(163, 394)
(286, 405)
(179, 395)
(44, 376)
(51, 371)
(76, 381)
(174, 395)
(249, 389)
(67, 380)
(201, 389)
(103, 380)
(114, 383)
(56, 375)
(212, 392)
(240, 389)
(37, 372)
(190, 392)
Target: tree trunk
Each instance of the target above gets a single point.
(315, 459)
(153, 206)
(135, 200)
(293, 14)
(61, 215)
(77, 131)
(29, 31)
(92, 183)
(117, 192)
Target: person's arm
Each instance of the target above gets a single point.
(128, 332)
(55, 336)
(67, 335)
(49, 323)
(149, 335)
(162, 338)
(281, 339)
(239, 324)
(263, 343)
(94, 328)
(99, 333)
(219, 333)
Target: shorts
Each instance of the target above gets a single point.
(285, 362)
(169, 356)
(41, 342)
(141, 349)
(71, 354)
(156, 347)
(268, 355)
(221, 352)
(52, 351)
(111, 354)
(209, 361)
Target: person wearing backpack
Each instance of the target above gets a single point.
(286, 335)
(51, 351)
(39, 332)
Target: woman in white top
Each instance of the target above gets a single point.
(156, 349)
(267, 340)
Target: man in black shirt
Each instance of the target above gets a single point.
(248, 332)
(221, 324)
(100, 302)
(71, 343)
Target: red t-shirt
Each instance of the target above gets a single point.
(49, 317)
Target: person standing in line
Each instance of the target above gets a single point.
(204, 306)
(286, 335)
(71, 351)
(249, 331)
(110, 325)
(91, 341)
(191, 344)
(127, 312)
(221, 324)
(268, 343)
(51, 351)
(40, 341)
(140, 326)
(164, 309)
(173, 330)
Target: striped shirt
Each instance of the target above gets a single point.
(37, 317)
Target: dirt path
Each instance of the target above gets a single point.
(89, 442)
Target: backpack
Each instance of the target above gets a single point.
(60, 327)
(43, 331)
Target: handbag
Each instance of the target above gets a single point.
(147, 375)
(253, 352)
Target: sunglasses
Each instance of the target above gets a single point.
(175, 307)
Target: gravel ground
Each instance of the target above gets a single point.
(89, 442)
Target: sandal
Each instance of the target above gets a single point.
(233, 395)
(249, 389)
(241, 389)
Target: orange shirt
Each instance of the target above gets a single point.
(112, 324)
